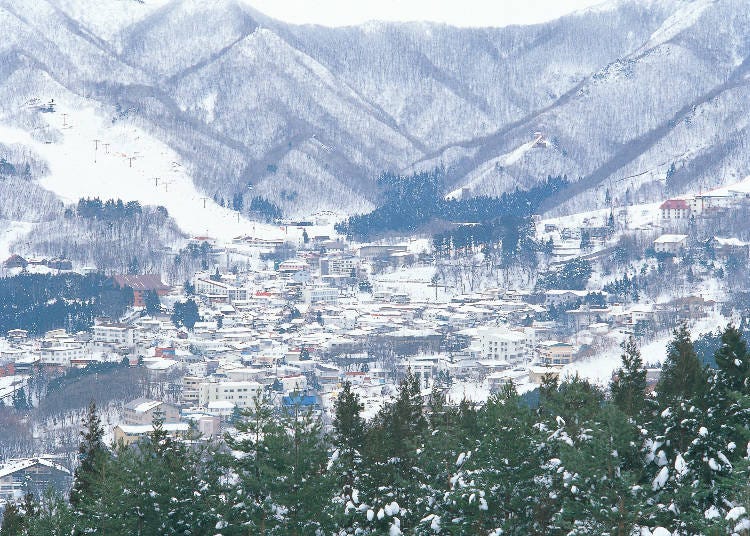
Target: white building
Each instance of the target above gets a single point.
(321, 294)
(504, 344)
(338, 265)
(241, 394)
(675, 209)
(670, 243)
(61, 356)
(113, 333)
(209, 287)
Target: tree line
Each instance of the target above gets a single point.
(581, 461)
(407, 203)
(41, 302)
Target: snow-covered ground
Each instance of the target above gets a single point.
(599, 369)
(10, 232)
(488, 168)
(416, 281)
(96, 158)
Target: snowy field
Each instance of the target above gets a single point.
(96, 158)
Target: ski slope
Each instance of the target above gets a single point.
(95, 158)
(487, 169)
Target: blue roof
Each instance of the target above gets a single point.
(307, 400)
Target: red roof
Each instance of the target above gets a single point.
(141, 282)
(675, 204)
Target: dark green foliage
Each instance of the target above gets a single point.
(409, 202)
(265, 209)
(573, 275)
(41, 302)
(151, 300)
(91, 456)
(628, 388)
(20, 402)
(733, 360)
(682, 375)
(14, 522)
(624, 289)
(110, 210)
(185, 314)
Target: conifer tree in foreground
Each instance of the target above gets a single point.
(14, 522)
(628, 388)
(733, 360)
(92, 455)
(682, 375)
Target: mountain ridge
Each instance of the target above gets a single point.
(309, 116)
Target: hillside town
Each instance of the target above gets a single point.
(297, 320)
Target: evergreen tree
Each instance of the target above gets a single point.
(391, 476)
(134, 267)
(733, 360)
(54, 516)
(152, 302)
(91, 457)
(14, 522)
(628, 389)
(185, 314)
(20, 402)
(682, 375)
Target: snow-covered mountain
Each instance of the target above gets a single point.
(641, 97)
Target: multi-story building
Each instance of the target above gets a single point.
(210, 287)
(339, 265)
(505, 344)
(61, 356)
(141, 285)
(675, 209)
(555, 353)
(35, 475)
(670, 243)
(321, 294)
(145, 410)
(113, 333)
(241, 394)
(190, 385)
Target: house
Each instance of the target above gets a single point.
(145, 410)
(34, 475)
(670, 243)
(15, 261)
(321, 294)
(210, 287)
(559, 297)
(292, 266)
(709, 202)
(60, 264)
(675, 209)
(142, 284)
